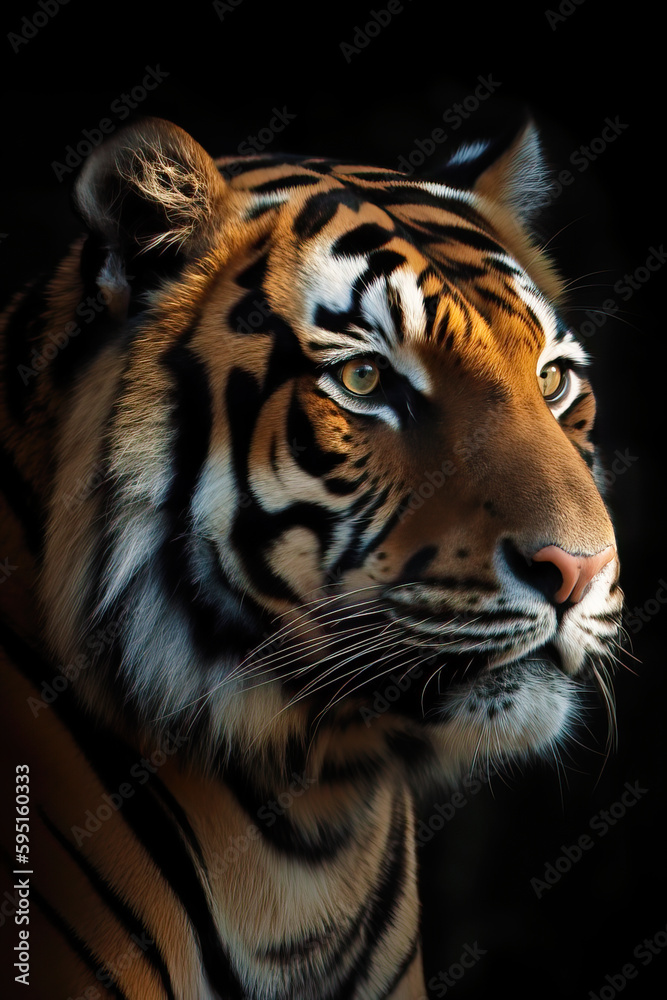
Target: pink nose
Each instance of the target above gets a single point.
(577, 571)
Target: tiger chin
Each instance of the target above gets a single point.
(310, 492)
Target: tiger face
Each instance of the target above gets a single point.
(343, 443)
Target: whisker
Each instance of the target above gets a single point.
(346, 693)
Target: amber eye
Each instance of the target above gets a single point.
(360, 376)
(553, 381)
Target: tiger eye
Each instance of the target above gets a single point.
(552, 381)
(360, 377)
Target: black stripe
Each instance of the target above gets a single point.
(111, 760)
(250, 314)
(407, 194)
(285, 183)
(246, 164)
(319, 844)
(163, 794)
(305, 448)
(340, 487)
(124, 913)
(290, 951)
(338, 322)
(355, 552)
(361, 240)
(397, 317)
(191, 422)
(185, 561)
(386, 895)
(373, 176)
(431, 303)
(257, 211)
(520, 621)
(458, 271)
(77, 944)
(574, 406)
(611, 617)
(537, 327)
(368, 767)
(404, 967)
(243, 399)
(587, 456)
(510, 308)
(417, 563)
(415, 751)
(464, 236)
(255, 530)
(252, 277)
(381, 264)
(192, 574)
(459, 583)
(321, 165)
(320, 209)
(503, 267)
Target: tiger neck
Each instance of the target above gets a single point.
(335, 847)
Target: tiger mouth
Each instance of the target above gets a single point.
(432, 693)
(414, 674)
(499, 670)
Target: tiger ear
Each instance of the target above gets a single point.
(510, 171)
(519, 178)
(152, 197)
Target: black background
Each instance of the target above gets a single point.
(225, 77)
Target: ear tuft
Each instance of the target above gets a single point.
(519, 178)
(150, 188)
(509, 170)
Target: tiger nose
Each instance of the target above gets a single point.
(576, 571)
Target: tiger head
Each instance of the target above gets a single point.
(329, 443)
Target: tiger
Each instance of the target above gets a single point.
(303, 515)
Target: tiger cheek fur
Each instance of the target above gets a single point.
(327, 435)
